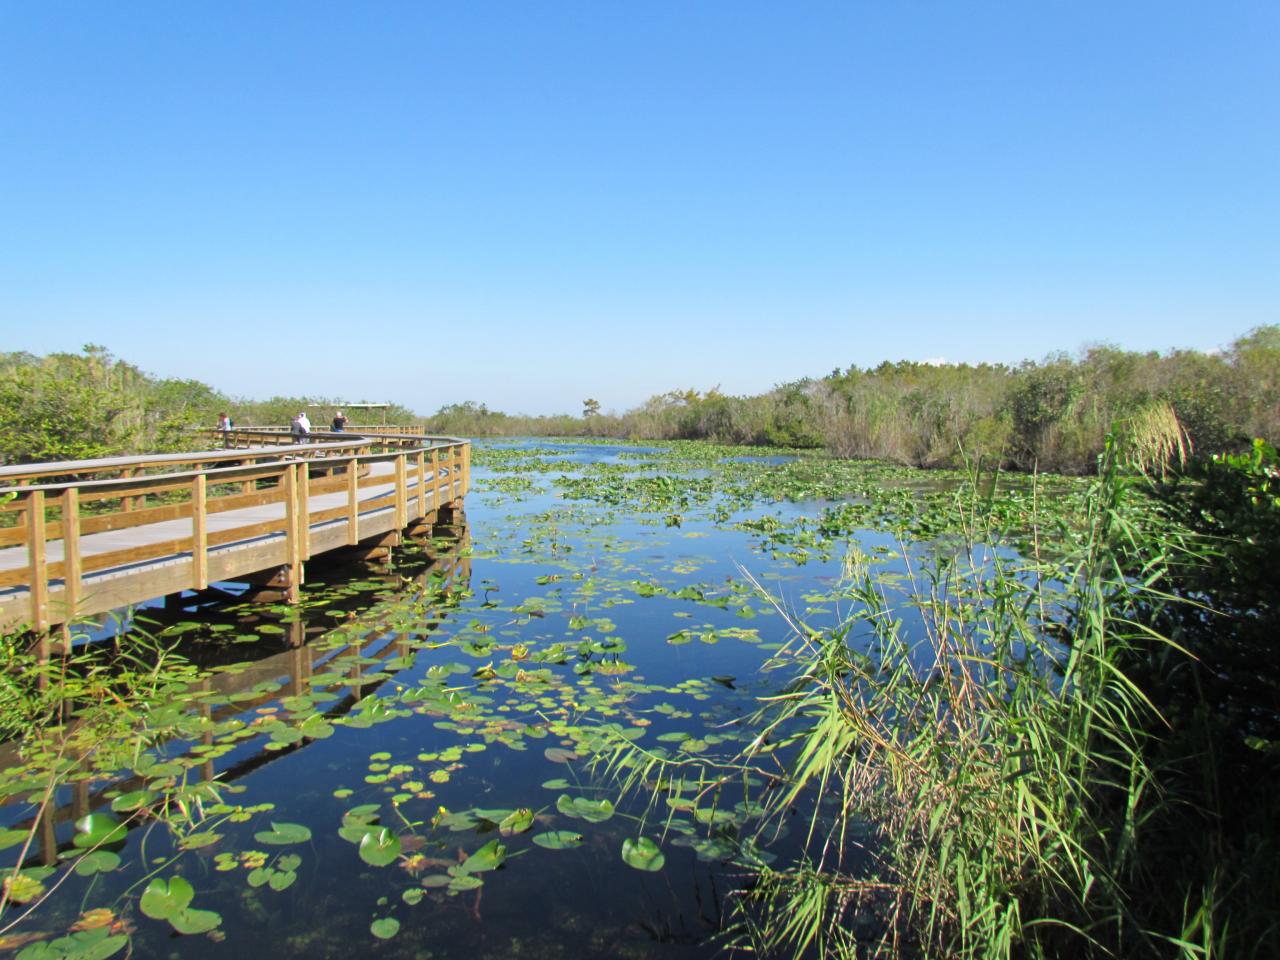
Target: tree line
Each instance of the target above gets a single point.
(72, 406)
(1051, 414)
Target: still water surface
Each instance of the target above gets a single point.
(438, 698)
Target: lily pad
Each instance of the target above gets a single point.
(281, 879)
(97, 861)
(164, 898)
(643, 854)
(203, 838)
(558, 839)
(384, 928)
(10, 838)
(195, 921)
(134, 800)
(379, 847)
(94, 944)
(516, 822)
(97, 829)
(593, 811)
(283, 834)
(488, 857)
(316, 727)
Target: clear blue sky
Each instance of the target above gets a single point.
(527, 204)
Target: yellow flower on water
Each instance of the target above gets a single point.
(414, 864)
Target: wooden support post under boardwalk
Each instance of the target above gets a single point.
(424, 526)
(48, 836)
(268, 586)
(375, 548)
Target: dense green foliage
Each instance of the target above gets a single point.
(1217, 745)
(76, 406)
(471, 419)
(68, 406)
(1051, 415)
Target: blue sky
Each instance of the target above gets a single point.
(529, 204)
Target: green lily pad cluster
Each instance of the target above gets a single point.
(171, 900)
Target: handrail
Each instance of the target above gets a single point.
(412, 429)
(316, 445)
(64, 528)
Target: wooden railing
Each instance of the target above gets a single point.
(273, 433)
(167, 532)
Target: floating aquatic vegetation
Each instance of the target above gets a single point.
(429, 733)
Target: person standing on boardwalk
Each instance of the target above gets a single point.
(300, 427)
(339, 422)
(224, 422)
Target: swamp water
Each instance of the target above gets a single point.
(401, 765)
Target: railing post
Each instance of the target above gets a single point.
(455, 471)
(289, 481)
(353, 502)
(200, 531)
(71, 567)
(466, 469)
(421, 464)
(130, 503)
(39, 575)
(402, 498)
(435, 478)
(304, 509)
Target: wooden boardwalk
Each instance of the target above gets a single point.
(86, 537)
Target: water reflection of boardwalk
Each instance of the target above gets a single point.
(81, 538)
(363, 651)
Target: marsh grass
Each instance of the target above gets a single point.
(969, 752)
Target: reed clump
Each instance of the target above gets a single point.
(982, 764)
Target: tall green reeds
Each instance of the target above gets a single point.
(970, 751)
